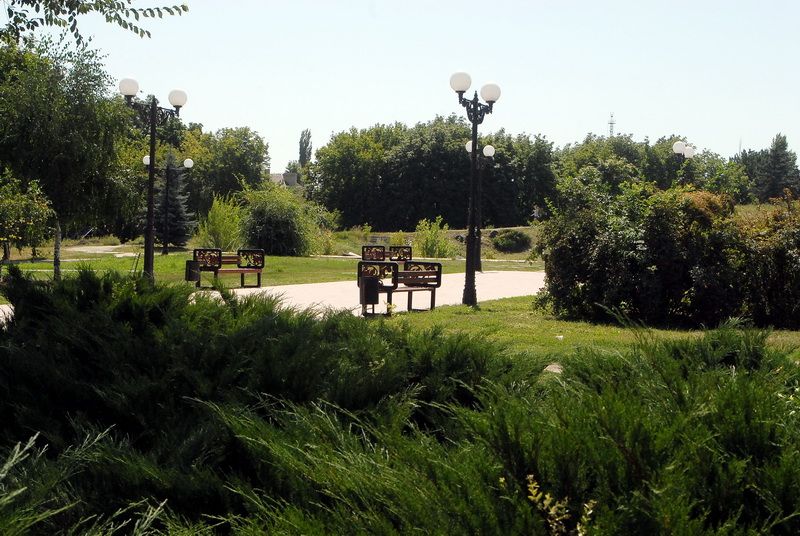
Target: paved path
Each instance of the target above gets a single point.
(491, 285)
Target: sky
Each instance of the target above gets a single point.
(721, 73)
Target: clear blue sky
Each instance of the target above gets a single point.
(717, 72)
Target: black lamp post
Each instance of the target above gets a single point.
(153, 114)
(168, 172)
(683, 151)
(476, 111)
(488, 155)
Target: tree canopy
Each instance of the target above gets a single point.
(27, 16)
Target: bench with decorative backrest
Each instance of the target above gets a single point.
(386, 277)
(246, 261)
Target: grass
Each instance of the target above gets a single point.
(513, 323)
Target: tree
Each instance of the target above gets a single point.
(305, 148)
(24, 214)
(27, 16)
(225, 162)
(174, 224)
(58, 127)
(779, 171)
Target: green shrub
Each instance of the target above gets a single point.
(277, 221)
(222, 226)
(511, 241)
(675, 257)
(430, 239)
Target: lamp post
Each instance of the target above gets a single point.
(154, 114)
(488, 153)
(476, 111)
(187, 164)
(683, 151)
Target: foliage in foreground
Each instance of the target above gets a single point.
(282, 422)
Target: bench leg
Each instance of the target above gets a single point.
(389, 303)
(258, 277)
(242, 279)
(433, 298)
(410, 308)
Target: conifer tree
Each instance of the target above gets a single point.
(174, 223)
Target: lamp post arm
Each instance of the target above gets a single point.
(476, 110)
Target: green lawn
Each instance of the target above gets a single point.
(513, 322)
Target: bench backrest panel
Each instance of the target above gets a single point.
(381, 269)
(209, 258)
(251, 258)
(422, 274)
(373, 253)
(400, 253)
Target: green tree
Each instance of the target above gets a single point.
(779, 171)
(174, 224)
(58, 127)
(27, 16)
(305, 148)
(349, 169)
(24, 214)
(226, 161)
(715, 174)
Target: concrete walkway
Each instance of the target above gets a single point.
(490, 285)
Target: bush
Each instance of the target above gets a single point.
(277, 221)
(222, 226)
(675, 257)
(511, 241)
(257, 419)
(430, 239)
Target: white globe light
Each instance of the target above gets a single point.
(146, 160)
(678, 147)
(488, 151)
(688, 152)
(128, 87)
(177, 98)
(490, 93)
(188, 163)
(460, 82)
(468, 146)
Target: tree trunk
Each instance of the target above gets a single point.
(6, 256)
(57, 251)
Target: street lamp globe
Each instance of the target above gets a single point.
(188, 163)
(460, 82)
(177, 98)
(678, 147)
(468, 146)
(490, 93)
(128, 87)
(146, 160)
(488, 151)
(688, 152)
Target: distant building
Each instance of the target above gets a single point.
(286, 179)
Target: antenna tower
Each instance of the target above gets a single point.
(611, 124)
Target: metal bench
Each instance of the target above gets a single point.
(376, 277)
(247, 261)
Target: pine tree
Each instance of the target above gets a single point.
(176, 224)
(779, 170)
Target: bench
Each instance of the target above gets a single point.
(246, 261)
(375, 277)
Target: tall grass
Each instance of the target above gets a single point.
(245, 417)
